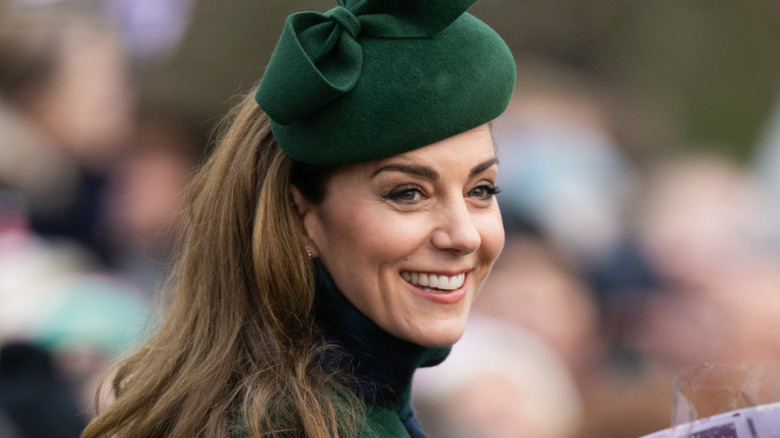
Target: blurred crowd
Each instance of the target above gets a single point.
(90, 190)
(621, 266)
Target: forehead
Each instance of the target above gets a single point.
(463, 151)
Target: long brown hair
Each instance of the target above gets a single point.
(236, 353)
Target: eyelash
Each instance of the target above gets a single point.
(398, 193)
(490, 190)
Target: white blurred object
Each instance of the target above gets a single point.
(151, 28)
(503, 382)
(49, 297)
(754, 422)
(767, 168)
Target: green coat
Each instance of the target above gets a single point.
(382, 364)
(382, 423)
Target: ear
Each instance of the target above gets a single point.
(305, 211)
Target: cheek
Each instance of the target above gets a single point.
(491, 230)
(354, 236)
(380, 239)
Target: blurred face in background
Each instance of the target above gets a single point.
(71, 80)
(87, 107)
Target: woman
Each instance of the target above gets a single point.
(337, 236)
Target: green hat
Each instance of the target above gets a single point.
(374, 78)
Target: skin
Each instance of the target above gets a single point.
(431, 210)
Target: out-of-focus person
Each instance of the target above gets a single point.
(565, 170)
(61, 324)
(65, 111)
(144, 196)
(572, 176)
(704, 228)
(572, 273)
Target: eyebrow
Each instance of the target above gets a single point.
(427, 172)
(479, 168)
(414, 169)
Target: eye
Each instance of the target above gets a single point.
(484, 191)
(406, 194)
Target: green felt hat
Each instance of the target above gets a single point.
(374, 78)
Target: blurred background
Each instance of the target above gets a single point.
(640, 168)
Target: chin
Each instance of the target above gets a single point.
(441, 339)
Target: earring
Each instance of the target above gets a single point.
(308, 252)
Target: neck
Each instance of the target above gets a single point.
(382, 364)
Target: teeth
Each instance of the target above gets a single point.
(435, 281)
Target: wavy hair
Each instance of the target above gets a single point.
(236, 354)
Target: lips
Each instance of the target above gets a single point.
(435, 282)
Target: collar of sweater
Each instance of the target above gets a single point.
(382, 364)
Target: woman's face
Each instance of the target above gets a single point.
(410, 239)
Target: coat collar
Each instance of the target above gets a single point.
(382, 364)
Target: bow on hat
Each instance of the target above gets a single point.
(318, 57)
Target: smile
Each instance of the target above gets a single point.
(433, 281)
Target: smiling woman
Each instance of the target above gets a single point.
(409, 239)
(325, 262)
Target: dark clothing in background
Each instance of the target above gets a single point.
(33, 398)
(78, 220)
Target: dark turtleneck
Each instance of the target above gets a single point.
(382, 364)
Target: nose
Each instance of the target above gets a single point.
(457, 231)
